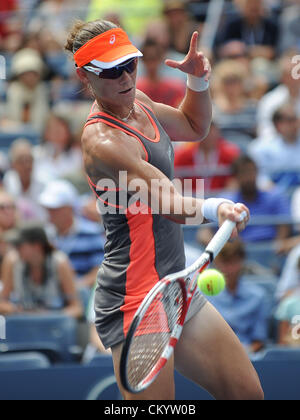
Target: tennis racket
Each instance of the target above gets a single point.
(158, 323)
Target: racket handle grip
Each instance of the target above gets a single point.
(222, 236)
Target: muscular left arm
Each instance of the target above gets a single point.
(192, 120)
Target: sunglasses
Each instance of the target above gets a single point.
(114, 72)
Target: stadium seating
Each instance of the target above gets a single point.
(23, 361)
(101, 360)
(53, 335)
(281, 354)
(7, 137)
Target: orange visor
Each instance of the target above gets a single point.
(107, 50)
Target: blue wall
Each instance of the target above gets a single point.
(280, 380)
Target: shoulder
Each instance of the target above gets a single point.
(274, 193)
(59, 258)
(280, 92)
(11, 260)
(86, 227)
(108, 149)
(294, 255)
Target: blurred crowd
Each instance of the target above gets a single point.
(51, 237)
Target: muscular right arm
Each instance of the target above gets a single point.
(119, 155)
(107, 154)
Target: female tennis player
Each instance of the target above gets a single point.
(127, 132)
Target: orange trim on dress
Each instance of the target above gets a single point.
(153, 123)
(99, 198)
(141, 274)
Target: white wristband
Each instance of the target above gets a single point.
(211, 206)
(197, 84)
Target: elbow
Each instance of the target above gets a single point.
(201, 133)
(205, 132)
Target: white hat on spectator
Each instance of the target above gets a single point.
(58, 194)
(27, 60)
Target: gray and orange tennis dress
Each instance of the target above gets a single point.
(141, 248)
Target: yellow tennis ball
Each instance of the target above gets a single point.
(211, 282)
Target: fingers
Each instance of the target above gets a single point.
(207, 69)
(194, 43)
(173, 64)
(242, 215)
(238, 214)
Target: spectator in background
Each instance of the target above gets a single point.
(290, 27)
(21, 182)
(160, 89)
(9, 217)
(288, 91)
(37, 278)
(81, 240)
(257, 83)
(278, 159)
(212, 156)
(6, 7)
(287, 245)
(3, 167)
(179, 25)
(27, 95)
(54, 16)
(243, 304)
(234, 112)
(57, 156)
(288, 294)
(254, 28)
(261, 203)
(173, 31)
(8, 220)
(290, 278)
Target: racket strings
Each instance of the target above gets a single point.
(152, 336)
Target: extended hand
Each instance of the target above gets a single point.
(234, 213)
(194, 63)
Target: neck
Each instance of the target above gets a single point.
(232, 287)
(253, 21)
(290, 139)
(65, 229)
(26, 183)
(153, 76)
(249, 195)
(121, 114)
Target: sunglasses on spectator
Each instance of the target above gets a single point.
(114, 72)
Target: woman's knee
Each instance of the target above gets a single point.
(248, 388)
